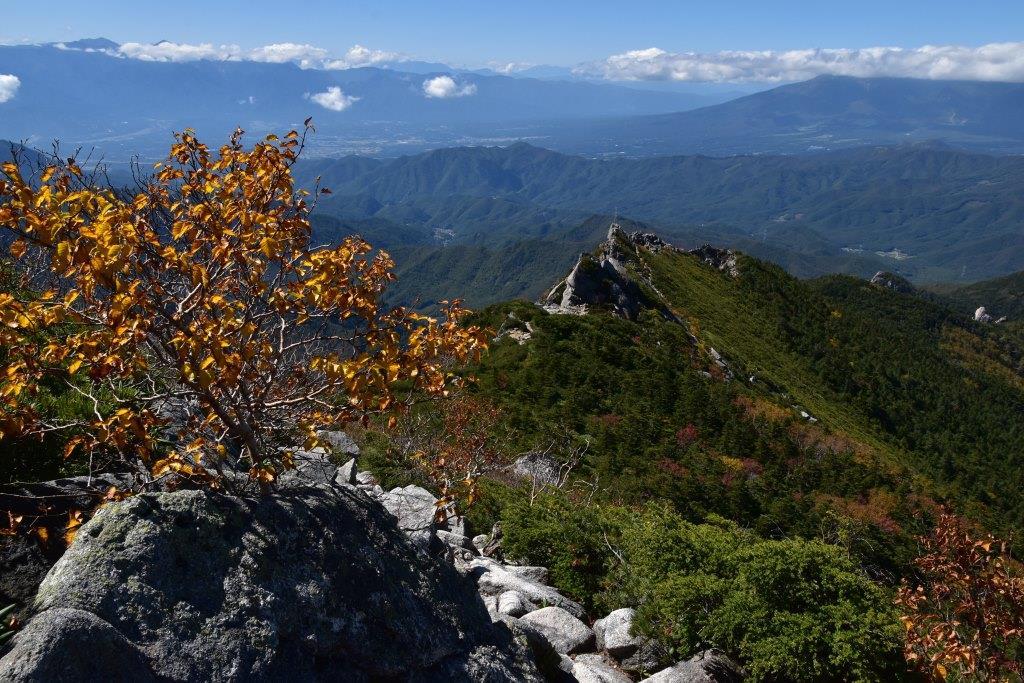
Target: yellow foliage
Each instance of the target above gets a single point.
(202, 292)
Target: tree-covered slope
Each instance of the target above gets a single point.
(932, 214)
(833, 397)
(1003, 296)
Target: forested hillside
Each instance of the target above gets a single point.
(831, 396)
(1003, 296)
(930, 214)
(692, 424)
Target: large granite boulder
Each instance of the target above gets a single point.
(90, 650)
(317, 583)
(634, 653)
(416, 510)
(566, 633)
(614, 633)
(554, 666)
(514, 604)
(340, 443)
(537, 467)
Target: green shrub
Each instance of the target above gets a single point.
(789, 610)
(568, 539)
(492, 499)
(793, 610)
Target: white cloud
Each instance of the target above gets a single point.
(8, 87)
(358, 55)
(167, 51)
(508, 68)
(334, 99)
(992, 62)
(442, 87)
(305, 55)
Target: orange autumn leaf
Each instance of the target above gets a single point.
(200, 305)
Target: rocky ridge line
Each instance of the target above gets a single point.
(602, 280)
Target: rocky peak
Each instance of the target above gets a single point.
(650, 241)
(884, 278)
(983, 316)
(601, 279)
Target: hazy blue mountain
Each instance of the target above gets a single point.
(10, 150)
(84, 95)
(827, 112)
(930, 214)
(127, 106)
(89, 44)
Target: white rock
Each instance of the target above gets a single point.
(455, 524)
(566, 633)
(311, 466)
(493, 578)
(414, 508)
(537, 467)
(347, 473)
(454, 540)
(339, 442)
(535, 574)
(374, 491)
(597, 669)
(613, 633)
(514, 604)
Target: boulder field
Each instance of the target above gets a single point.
(325, 580)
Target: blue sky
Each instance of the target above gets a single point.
(562, 32)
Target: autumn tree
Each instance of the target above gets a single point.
(196, 318)
(965, 619)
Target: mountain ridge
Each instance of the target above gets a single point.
(826, 112)
(878, 368)
(930, 214)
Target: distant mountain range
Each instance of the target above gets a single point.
(827, 112)
(929, 214)
(130, 106)
(85, 93)
(492, 223)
